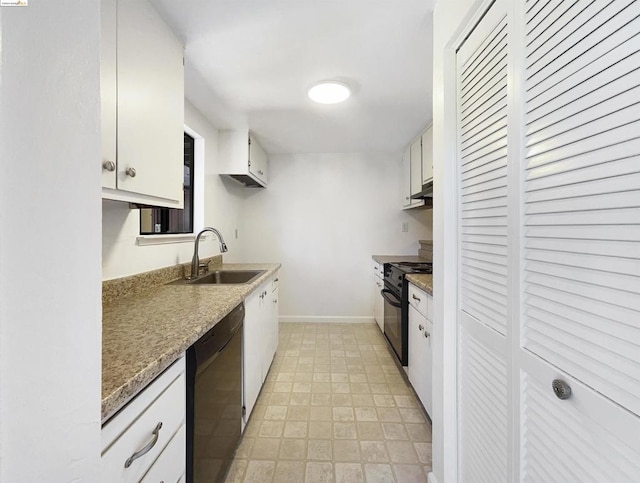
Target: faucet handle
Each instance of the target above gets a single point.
(204, 266)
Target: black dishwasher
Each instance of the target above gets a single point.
(214, 399)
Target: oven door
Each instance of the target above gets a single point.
(393, 321)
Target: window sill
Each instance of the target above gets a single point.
(147, 240)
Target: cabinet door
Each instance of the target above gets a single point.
(378, 302)
(274, 325)
(427, 156)
(406, 177)
(108, 97)
(416, 167)
(252, 351)
(416, 368)
(257, 161)
(150, 103)
(426, 363)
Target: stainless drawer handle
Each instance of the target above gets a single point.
(421, 327)
(413, 296)
(561, 389)
(147, 448)
(427, 334)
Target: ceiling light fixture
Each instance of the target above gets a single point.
(329, 92)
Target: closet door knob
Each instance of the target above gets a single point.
(561, 389)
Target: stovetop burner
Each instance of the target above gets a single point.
(413, 267)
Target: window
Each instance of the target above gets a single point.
(159, 221)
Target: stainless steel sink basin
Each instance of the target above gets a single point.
(224, 277)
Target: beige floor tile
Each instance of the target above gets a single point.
(236, 471)
(320, 413)
(320, 429)
(374, 451)
(279, 398)
(384, 400)
(380, 388)
(321, 377)
(285, 377)
(389, 415)
(320, 449)
(405, 401)
(344, 430)
(412, 415)
(293, 449)
(320, 399)
(271, 429)
(289, 472)
(298, 413)
(245, 447)
(395, 431)
(341, 400)
(346, 450)
(419, 432)
(295, 429)
(423, 450)
(378, 473)
(366, 414)
(265, 449)
(409, 474)
(259, 471)
(321, 387)
(282, 387)
(349, 473)
(362, 399)
(275, 413)
(319, 473)
(340, 388)
(369, 430)
(343, 414)
(402, 452)
(303, 377)
(356, 378)
(300, 399)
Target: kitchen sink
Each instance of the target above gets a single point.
(224, 277)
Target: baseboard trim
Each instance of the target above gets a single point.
(431, 478)
(326, 319)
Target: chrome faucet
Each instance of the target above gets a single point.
(195, 261)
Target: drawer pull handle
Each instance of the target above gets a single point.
(415, 298)
(147, 448)
(277, 280)
(421, 327)
(426, 334)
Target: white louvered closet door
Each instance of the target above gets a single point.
(580, 236)
(482, 312)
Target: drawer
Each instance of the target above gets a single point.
(420, 301)
(378, 269)
(168, 408)
(170, 465)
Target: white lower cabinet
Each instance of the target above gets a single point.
(134, 442)
(260, 340)
(378, 301)
(420, 352)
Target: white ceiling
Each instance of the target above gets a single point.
(250, 64)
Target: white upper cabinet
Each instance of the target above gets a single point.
(142, 106)
(242, 158)
(406, 177)
(416, 166)
(427, 156)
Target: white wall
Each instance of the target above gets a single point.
(322, 217)
(121, 256)
(50, 303)
(450, 17)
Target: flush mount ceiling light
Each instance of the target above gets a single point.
(329, 92)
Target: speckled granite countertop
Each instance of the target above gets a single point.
(399, 258)
(143, 334)
(422, 280)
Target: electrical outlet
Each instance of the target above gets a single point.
(405, 226)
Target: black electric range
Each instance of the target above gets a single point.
(396, 304)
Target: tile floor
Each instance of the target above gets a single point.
(334, 408)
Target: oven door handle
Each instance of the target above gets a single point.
(388, 299)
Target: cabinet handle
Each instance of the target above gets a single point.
(413, 296)
(131, 172)
(275, 301)
(147, 448)
(109, 166)
(561, 389)
(277, 280)
(426, 334)
(421, 327)
(260, 172)
(406, 197)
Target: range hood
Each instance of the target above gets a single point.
(425, 193)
